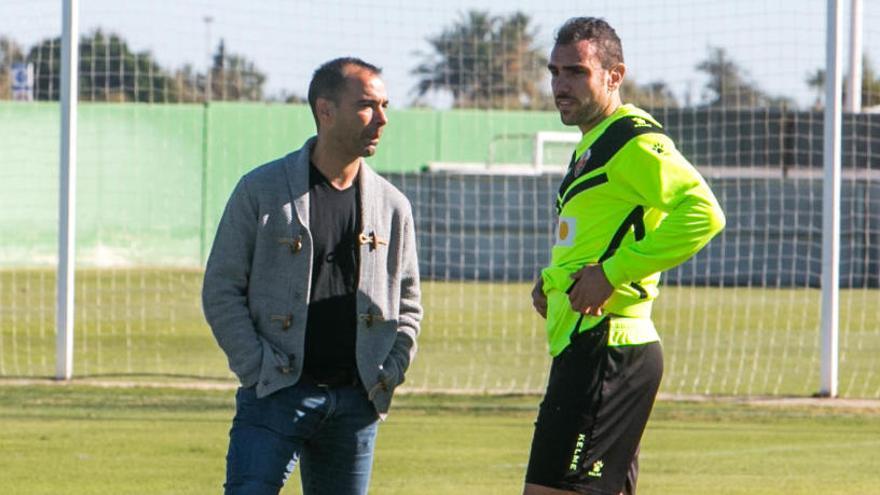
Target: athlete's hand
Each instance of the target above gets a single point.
(539, 299)
(590, 290)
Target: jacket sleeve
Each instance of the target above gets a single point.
(225, 289)
(658, 176)
(410, 316)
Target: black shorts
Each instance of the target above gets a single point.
(593, 415)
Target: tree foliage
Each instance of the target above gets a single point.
(655, 94)
(870, 84)
(110, 71)
(486, 61)
(234, 77)
(728, 85)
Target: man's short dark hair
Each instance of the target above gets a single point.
(596, 30)
(329, 79)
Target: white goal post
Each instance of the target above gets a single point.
(172, 113)
(544, 137)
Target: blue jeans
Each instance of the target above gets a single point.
(330, 432)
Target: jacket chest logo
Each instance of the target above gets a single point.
(565, 231)
(581, 163)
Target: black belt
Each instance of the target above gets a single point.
(331, 378)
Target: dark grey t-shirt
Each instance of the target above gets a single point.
(334, 222)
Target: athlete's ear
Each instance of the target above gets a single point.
(615, 77)
(324, 109)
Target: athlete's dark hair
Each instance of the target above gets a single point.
(596, 30)
(329, 79)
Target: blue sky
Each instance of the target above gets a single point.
(777, 42)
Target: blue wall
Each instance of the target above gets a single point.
(481, 227)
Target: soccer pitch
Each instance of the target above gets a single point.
(81, 440)
(477, 337)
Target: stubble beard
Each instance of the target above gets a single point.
(367, 149)
(578, 116)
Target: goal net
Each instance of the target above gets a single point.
(178, 99)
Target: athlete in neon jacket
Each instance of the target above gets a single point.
(630, 206)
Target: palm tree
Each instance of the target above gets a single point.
(485, 61)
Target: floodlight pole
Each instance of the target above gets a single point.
(203, 217)
(64, 308)
(831, 205)
(208, 88)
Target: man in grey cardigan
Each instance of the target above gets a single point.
(312, 291)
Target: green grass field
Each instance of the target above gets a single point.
(146, 326)
(476, 337)
(86, 440)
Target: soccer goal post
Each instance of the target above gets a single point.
(176, 100)
(65, 305)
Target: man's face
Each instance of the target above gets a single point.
(358, 116)
(582, 89)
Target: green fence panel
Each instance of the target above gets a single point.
(29, 137)
(153, 179)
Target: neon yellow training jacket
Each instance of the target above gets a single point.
(631, 202)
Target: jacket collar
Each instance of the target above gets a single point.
(297, 169)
